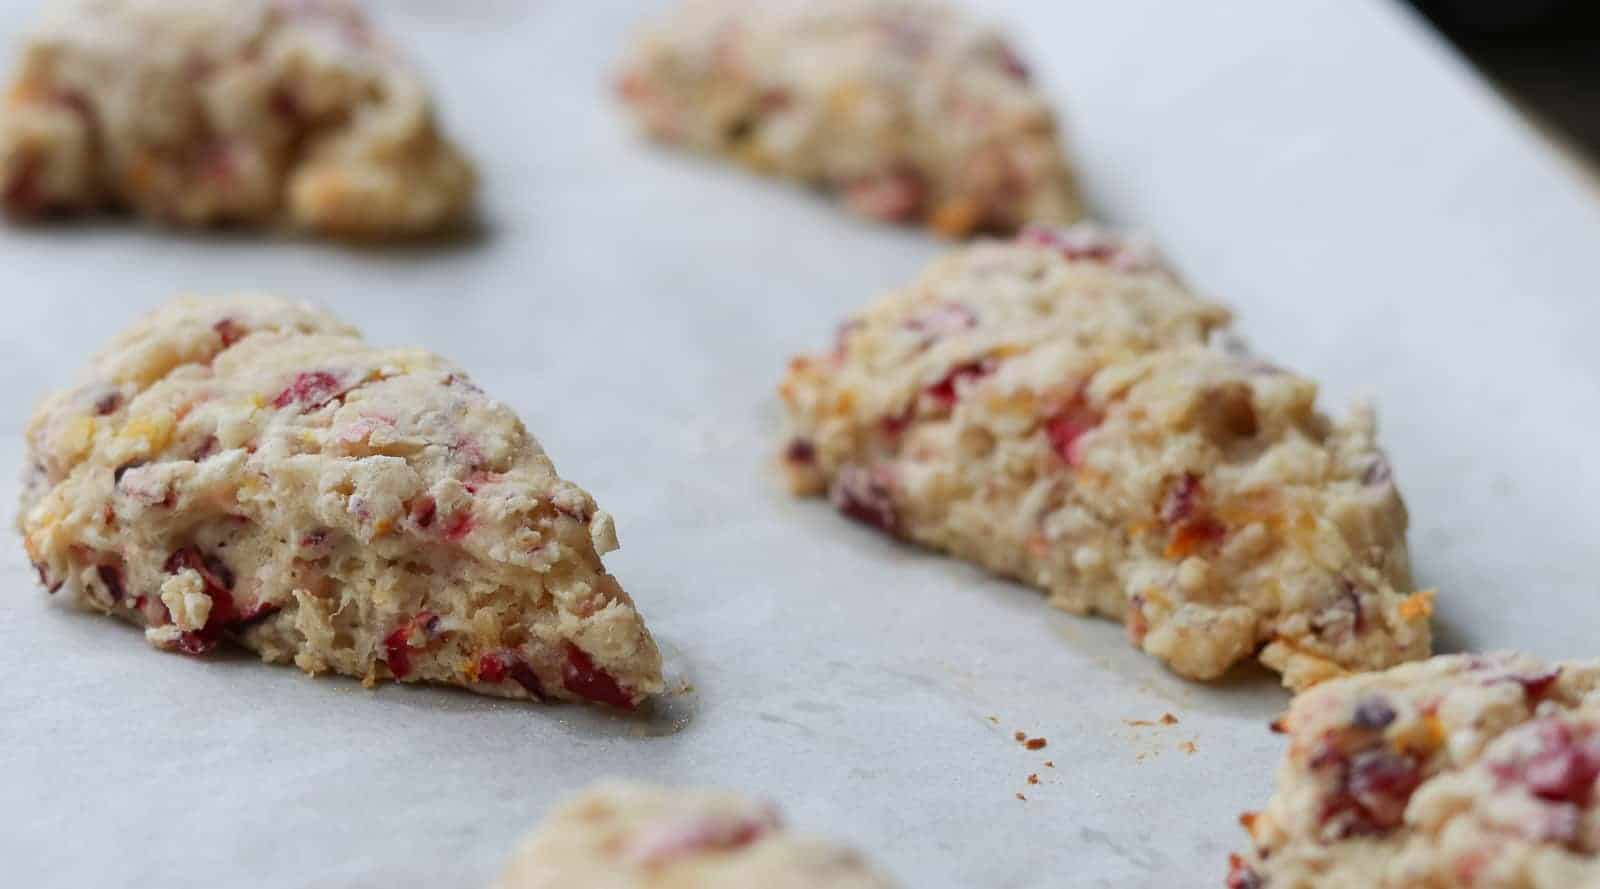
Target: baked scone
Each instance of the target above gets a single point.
(1049, 408)
(905, 109)
(249, 470)
(209, 112)
(617, 835)
(1478, 771)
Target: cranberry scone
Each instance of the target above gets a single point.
(207, 112)
(618, 835)
(249, 470)
(1049, 408)
(905, 109)
(1461, 771)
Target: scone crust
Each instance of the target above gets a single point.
(905, 109)
(212, 112)
(248, 469)
(1051, 408)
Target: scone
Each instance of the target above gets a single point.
(628, 836)
(1049, 408)
(209, 112)
(249, 470)
(905, 109)
(1478, 771)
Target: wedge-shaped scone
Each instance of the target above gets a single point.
(204, 112)
(1470, 771)
(250, 470)
(629, 836)
(1049, 408)
(906, 109)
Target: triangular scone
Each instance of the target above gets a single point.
(906, 109)
(205, 112)
(1049, 408)
(250, 470)
(617, 835)
(1461, 772)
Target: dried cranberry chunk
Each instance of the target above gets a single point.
(943, 393)
(310, 389)
(865, 495)
(397, 645)
(1563, 768)
(1241, 875)
(581, 677)
(111, 576)
(497, 666)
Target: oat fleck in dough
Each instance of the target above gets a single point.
(905, 109)
(249, 470)
(206, 112)
(629, 836)
(1049, 408)
(1478, 771)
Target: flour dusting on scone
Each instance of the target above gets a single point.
(249, 470)
(905, 109)
(1470, 771)
(618, 835)
(208, 112)
(1050, 408)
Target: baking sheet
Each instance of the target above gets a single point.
(1379, 219)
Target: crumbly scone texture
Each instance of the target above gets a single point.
(248, 469)
(1049, 408)
(210, 112)
(906, 109)
(1478, 771)
(618, 835)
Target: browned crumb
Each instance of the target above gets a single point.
(1168, 719)
(1020, 736)
(1187, 747)
(1277, 726)
(1137, 722)
(1049, 763)
(1034, 778)
(1021, 797)
(1035, 743)
(993, 719)
(1247, 819)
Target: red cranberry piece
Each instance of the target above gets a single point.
(1373, 714)
(23, 194)
(707, 834)
(800, 450)
(230, 331)
(108, 403)
(1241, 875)
(422, 511)
(1566, 767)
(894, 195)
(865, 495)
(1192, 527)
(942, 320)
(1381, 783)
(111, 576)
(581, 677)
(1352, 600)
(497, 666)
(1066, 427)
(1377, 473)
(44, 578)
(310, 389)
(116, 474)
(208, 446)
(1537, 685)
(943, 393)
(397, 645)
(459, 525)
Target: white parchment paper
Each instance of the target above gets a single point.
(1377, 216)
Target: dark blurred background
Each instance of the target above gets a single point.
(1543, 54)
